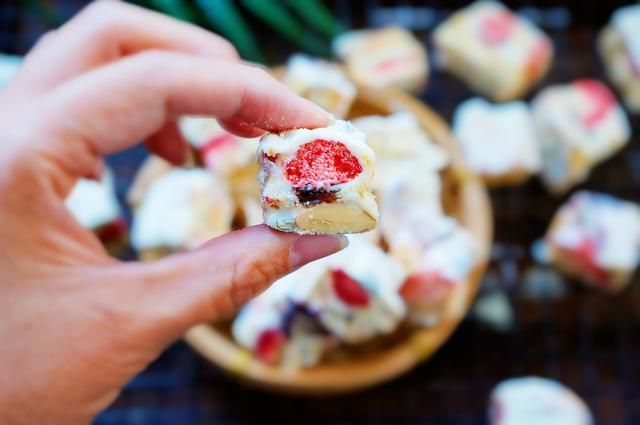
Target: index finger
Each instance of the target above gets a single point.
(106, 31)
(115, 106)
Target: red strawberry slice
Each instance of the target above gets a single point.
(349, 290)
(601, 100)
(426, 287)
(269, 345)
(322, 163)
(496, 27)
(586, 256)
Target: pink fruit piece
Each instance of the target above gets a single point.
(211, 151)
(426, 287)
(585, 255)
(537, 57)
(269, 345)
(349, 290)
(497, 27)
(322, 163)
(601, 101)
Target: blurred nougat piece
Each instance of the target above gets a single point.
(220, 151)
(229, 157)
(278, 329)
(498, 140)
(619, 46)
(578, 125)
(181, 209)
(530, 400)
(437, 253)
(596, 238)
(95, 206)
(357, 297)
(321, 82)
(389, 56)
(497, 53)
(349, 297)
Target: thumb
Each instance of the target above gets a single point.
(213, 281)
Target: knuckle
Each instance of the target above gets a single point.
(154, 60)
(103, 19)
(250, 278)
(258, 73)
(228, 49)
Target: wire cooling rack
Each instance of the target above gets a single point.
(585, 339)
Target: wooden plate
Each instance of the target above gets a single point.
(465, 198)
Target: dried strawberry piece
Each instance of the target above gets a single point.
(210, 151)
(585, 255)
(430, 287)
(269, 345)
(537, 58)
(218, 142)
(496, 27)
(349, 290)
(601, 101)
(322, 163)
(112, 231)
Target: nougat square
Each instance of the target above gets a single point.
(318, 181)
(496, 52)
(596, 238)
(579, 125)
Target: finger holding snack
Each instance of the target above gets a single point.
(132, 74)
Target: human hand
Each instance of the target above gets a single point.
(76, 324)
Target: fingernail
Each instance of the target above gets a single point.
(308, 248)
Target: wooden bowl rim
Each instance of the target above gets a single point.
(362, 372)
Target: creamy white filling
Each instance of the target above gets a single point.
(535, 401)
(94, 203)
(181, 210)
(496, 138)
(452, 256)
(400, 136)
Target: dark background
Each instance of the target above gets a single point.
(587, 340)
